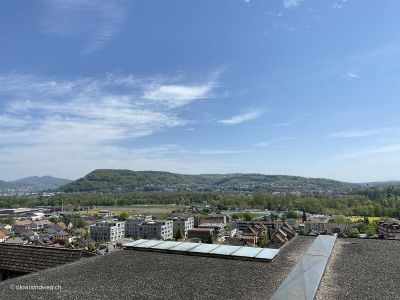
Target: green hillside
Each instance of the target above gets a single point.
(125, 180)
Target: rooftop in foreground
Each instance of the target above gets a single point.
(152, 275)
(362, 269)
(356, 269)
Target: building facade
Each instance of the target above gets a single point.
(219, 230)
(205, 235)
(389, 231)
(214, 218)
(183, 225)
(242, 225)
(107, 231)
(160, 229)
(327, 227)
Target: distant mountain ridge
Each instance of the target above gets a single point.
(126, 181)
(36, 183)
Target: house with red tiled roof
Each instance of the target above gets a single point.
(65, 225)
(250, 235)
(3, 236)
(62, 225)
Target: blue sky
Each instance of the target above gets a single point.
(297, 87)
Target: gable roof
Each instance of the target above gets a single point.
(23, 222)
(62, 225)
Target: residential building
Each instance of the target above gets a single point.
(242, 225)
(65, 225)
(337, 227)
(389, 231)
(250, 235)
(183, 225)
(214, 218)
(279, 237)
(316, 226)
(3, 236)
(187, 215)
(327, 227)
(107, 231)
(288, 230)
(5, 227)
(219, 230)
(104, 213)
(138, 219)
(205, 235)
(159, 229)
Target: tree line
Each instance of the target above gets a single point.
(372, 202)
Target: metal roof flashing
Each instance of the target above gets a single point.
(304, 279)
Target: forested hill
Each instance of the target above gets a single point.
(41, 183)
(128, 181)
(34, 183)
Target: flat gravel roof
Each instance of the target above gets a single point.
(362, 269)
(152, 275)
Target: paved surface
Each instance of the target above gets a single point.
(150, 275)
(367, 269)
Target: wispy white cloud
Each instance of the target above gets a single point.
(291, 3)
(96, 22)
(337, 5)
(242, 117)
(351, 76)
(218, 152)
(178, 95)
(55, 121)
(379, 60)
(374, 152)
(364, 133)
(275, 141)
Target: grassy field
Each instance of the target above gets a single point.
(371, 219)
(154, 210)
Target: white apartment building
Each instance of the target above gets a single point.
(183, 224)
(107, 231)
(160, 229)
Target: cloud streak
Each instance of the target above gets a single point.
(242, 118)
(178, 95)
(351, 76)
(290, 3)
(96, 22)
(364, 133)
